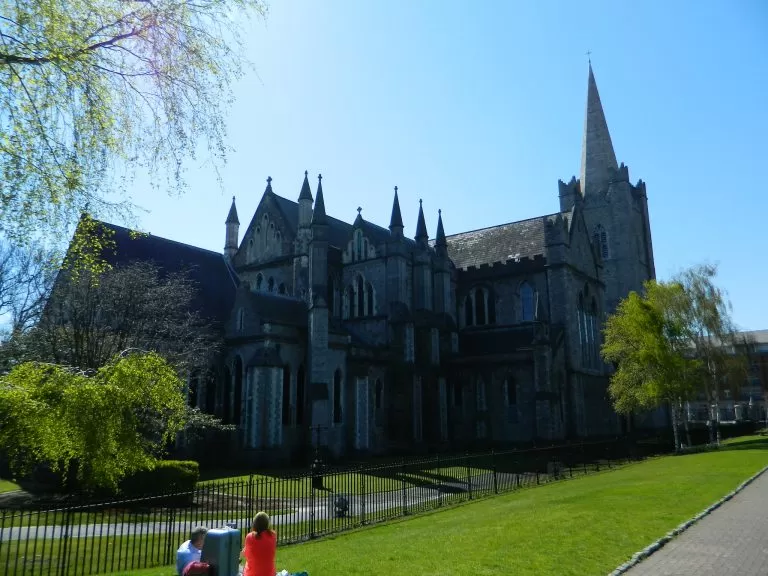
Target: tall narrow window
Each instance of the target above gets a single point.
(337, 400)
(271, 285)
(360, 296)
(281, 288)
(240, 320)
(458, 394)
(491, 308)
(331, 295)
(369, 298)
(600, 240)
(510, 392)
(300, 387)
(526, 302)
(479, 306)
(286, 396)
(259, 281)
(349, 303)
(359, 245)
(595, 334)
(379, 395)
(365, 249)
(468, 310)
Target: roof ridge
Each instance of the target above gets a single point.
(505, 224)
(163, 238)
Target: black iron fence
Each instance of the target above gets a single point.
(104, 537)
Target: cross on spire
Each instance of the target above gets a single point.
(320, 177)
(269, 179)
(359, 209)
(589, 56)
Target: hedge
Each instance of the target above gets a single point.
(166, 476)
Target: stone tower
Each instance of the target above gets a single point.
(320, 371)
(616, 212)
(233, 230)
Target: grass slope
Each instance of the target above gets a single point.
(8, 486)
(584, 526)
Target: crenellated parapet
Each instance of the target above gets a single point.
(512, 265)
(570, 193)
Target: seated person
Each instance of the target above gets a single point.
(260, 548)
(190, 550)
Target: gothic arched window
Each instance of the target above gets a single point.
(600, 240)
(259, 281)
(349, 302)
(526, 302)
(337, 400)
(369, 298)
(240, 319)
(468, 310)
(359, 245)
(479, 307)
(595, 357)
(510, 392)
(360, 294)
(271, 284)
(281, 288)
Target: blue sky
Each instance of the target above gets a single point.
(478, 108)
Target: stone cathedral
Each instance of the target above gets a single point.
(363, 339)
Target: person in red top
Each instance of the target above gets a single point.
(260, 548)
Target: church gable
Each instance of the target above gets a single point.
(270, 234)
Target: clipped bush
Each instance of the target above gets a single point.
(165, 477)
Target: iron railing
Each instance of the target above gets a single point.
(108, 536)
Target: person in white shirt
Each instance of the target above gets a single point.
(190, 550)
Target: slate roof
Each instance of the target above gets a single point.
(279, 309)
(338, 230)
(523, 239)
(216, 282)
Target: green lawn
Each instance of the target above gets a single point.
(580, 527)
(389, 479)
(8, 486)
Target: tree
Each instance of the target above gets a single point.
(107, 421)
(646, 340)
(89, 86)
(26, 278)
(91, 317)
(712, 335)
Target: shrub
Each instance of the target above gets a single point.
(166, 476)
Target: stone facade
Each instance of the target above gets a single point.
(359, 339)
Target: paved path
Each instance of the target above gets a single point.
(732, 540)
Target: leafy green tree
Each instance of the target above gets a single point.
(93, 90)
(712, 336)
(646, 339)
(101, 421)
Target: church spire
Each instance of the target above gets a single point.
(421, 228)
(396, 220)
(441, 245)
(306, 193)
(318, 215)
(232, 216)
(440, 238)
(597, 156)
